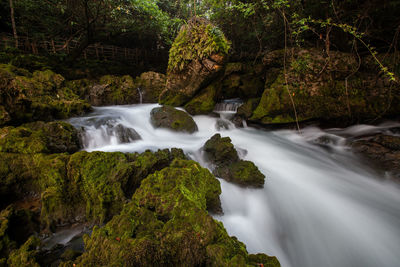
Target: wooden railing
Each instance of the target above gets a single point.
(94, 51)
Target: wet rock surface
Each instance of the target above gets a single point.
(382, 151)
(227, 164)
(173, 119)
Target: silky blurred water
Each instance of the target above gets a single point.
(320, 206)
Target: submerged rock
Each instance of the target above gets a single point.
(39, 137)
(174, 119)
(382, 150)
(125, 134)
(227, 165)
(167, 224)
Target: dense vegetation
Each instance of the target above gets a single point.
(253, 27)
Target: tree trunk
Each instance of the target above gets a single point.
(13, 23)
(76, 52)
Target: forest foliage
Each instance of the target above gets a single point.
(253, 27)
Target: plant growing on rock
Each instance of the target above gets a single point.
(197, 40)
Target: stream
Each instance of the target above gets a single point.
(321, 206)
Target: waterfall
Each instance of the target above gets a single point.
(228, 105)
(140, 95)
(321, 205)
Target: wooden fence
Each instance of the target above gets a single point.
(94, 51)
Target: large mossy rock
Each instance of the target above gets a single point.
(39, 137)
(196, 56)
(41, 95)
(167, 224)
(227, 165)
(114, 90)
(173, 119)
(80, 187)
(324, 88)
(120, 90)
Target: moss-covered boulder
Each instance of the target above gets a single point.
(331, 88)
(242, 80)
(204, 102)
(80, 187)
(120, 90)
(19, 176)
(167, 224)
(196, 56)
(220, 150)
(39, 137)
(40, 95)
(226, 164)
(114, 90)
(246, 110)
(173, 119)
(151, 85)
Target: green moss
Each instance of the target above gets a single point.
(152, 84)
(221, 152)
(88, 186)
(15, 228)
(272, 100)
(26, 255)
(100, 178)
(173, 98)
(199, 39)
(203, 103)
(30, 62)
(174, 119)
(166, 224)
(38, 96)
(39, 137)
(246, 110)
(246, 173)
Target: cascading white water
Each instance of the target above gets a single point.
(320, 206)
(140, 95)
(229, 105)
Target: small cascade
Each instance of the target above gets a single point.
(140, 95)
(228, 105)
(100, 131)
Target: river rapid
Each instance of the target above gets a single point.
(320, 206)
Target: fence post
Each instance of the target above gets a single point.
(53, 45)
(97, 52)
